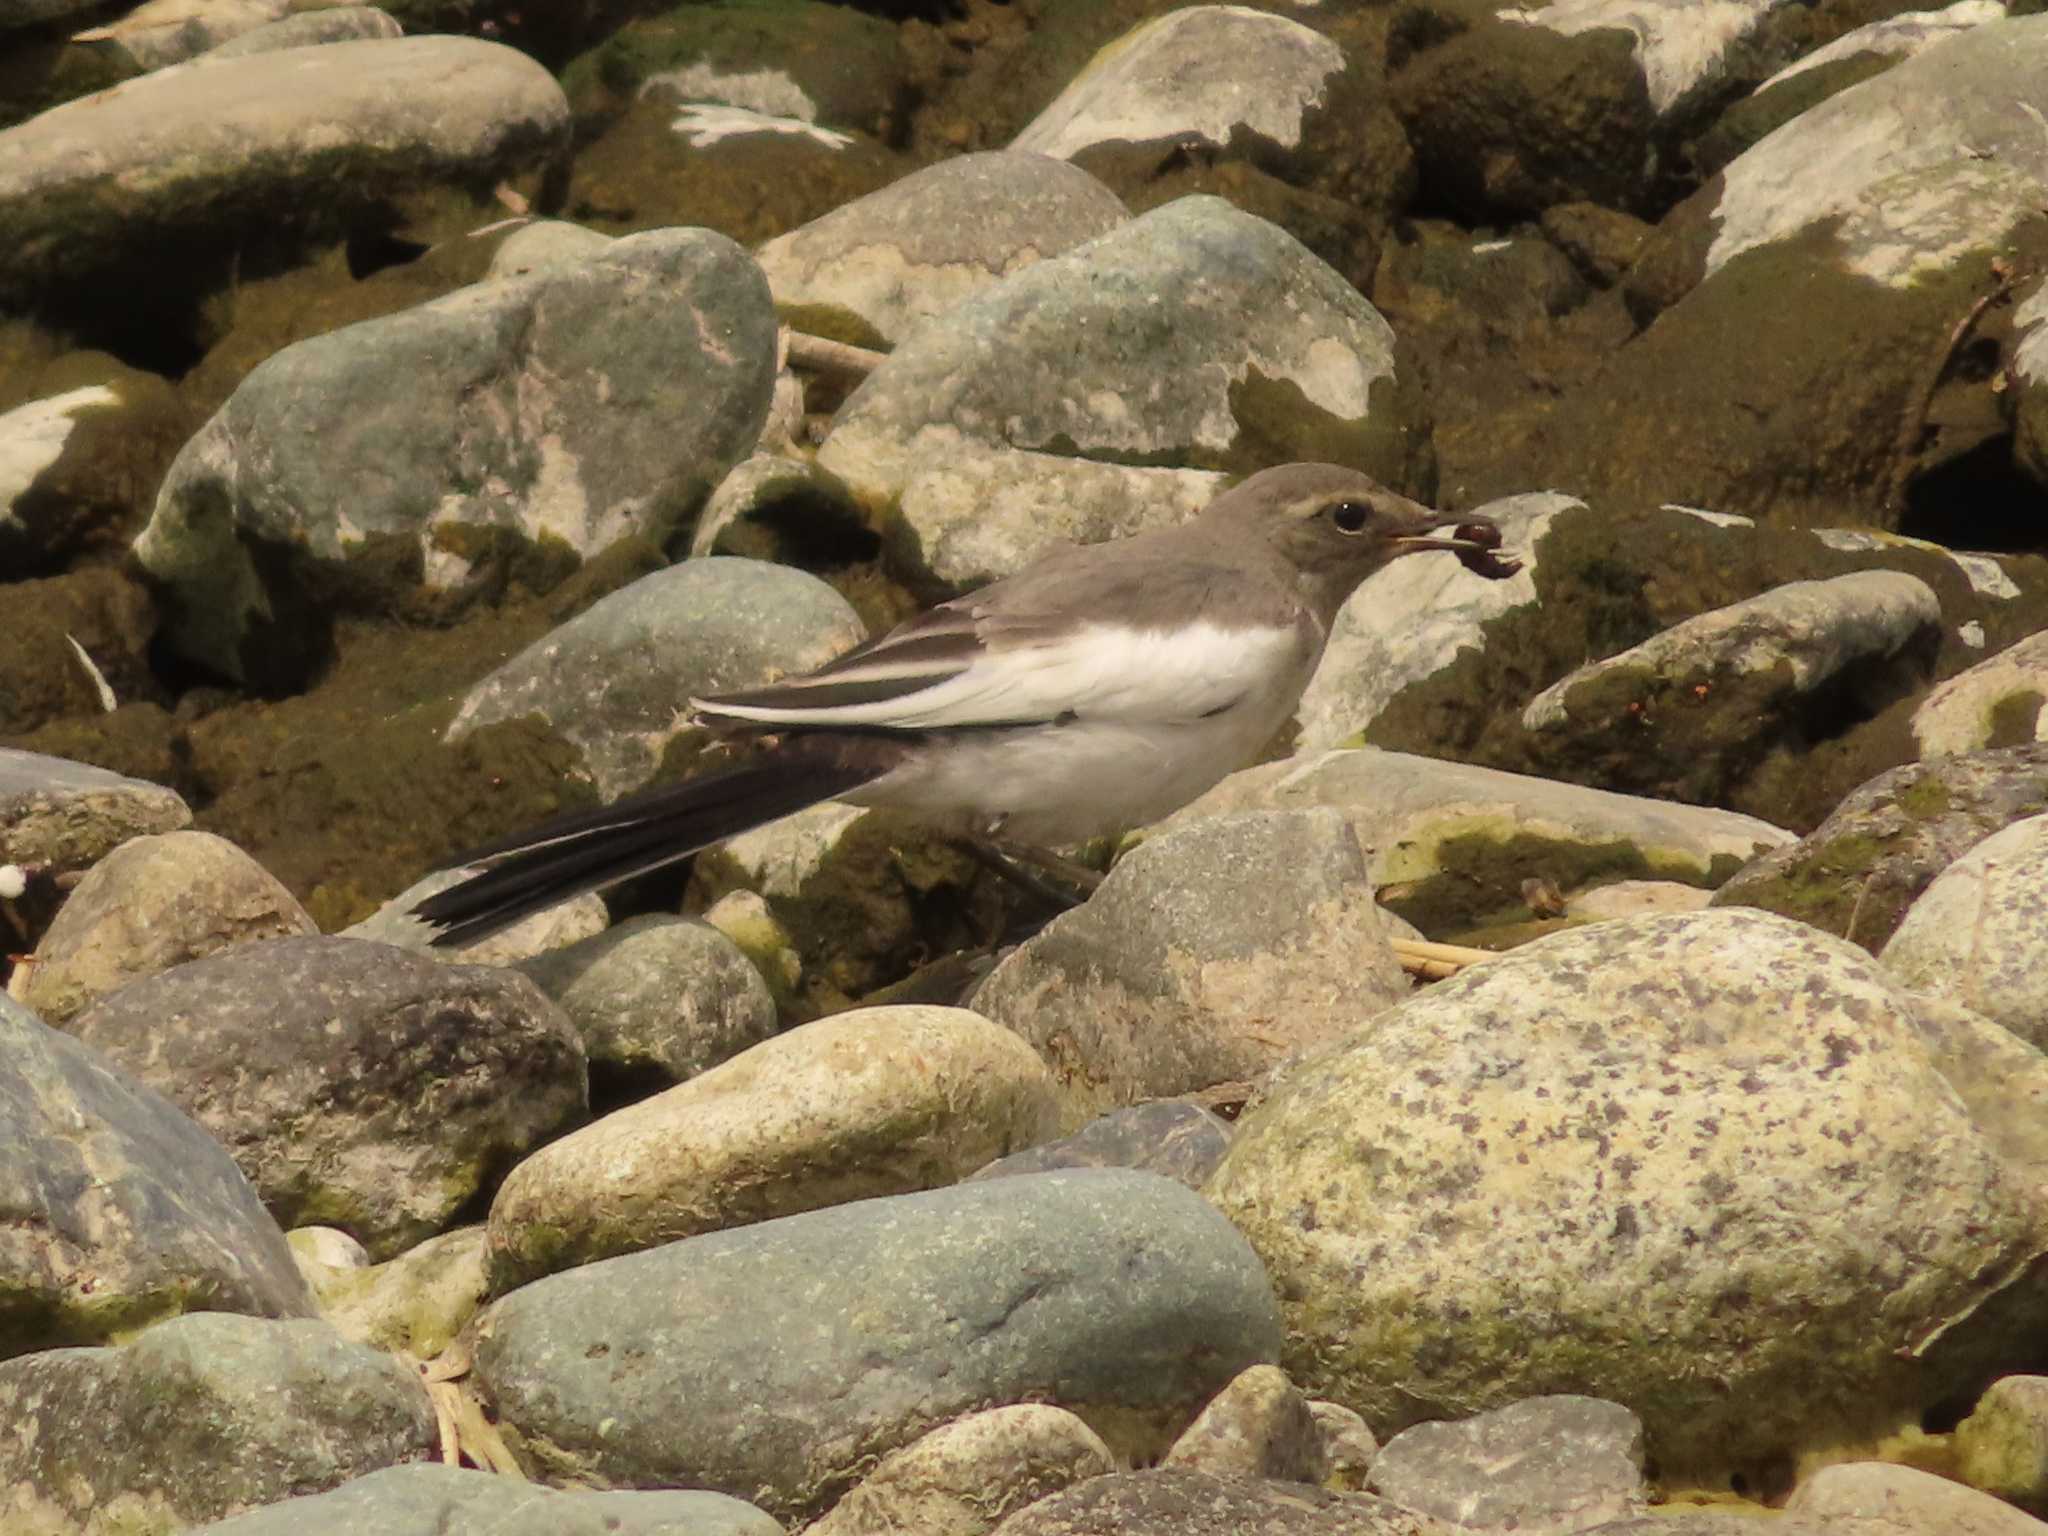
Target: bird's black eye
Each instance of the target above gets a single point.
(1349, 516)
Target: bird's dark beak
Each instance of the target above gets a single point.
(1471, 537)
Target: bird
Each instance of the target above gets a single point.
(1097, 689)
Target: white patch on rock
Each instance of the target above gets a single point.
(1961, 714)
(32, 438)
(1678, 42)
(1718, 519)
(1410, 621)
(1971, 633)
(706, 125)
(1985, 575)
(1944, 153)
(1906, 33)
(767, 91)
(1198, 73)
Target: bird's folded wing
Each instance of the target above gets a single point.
(953, 669)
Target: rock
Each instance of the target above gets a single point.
(160, 33)
(805, 63)
(873, 270)
(1683, 1083)
(617, 679)
(1257, 1427)
(201, 1417)
(101, 612)
(546, 245)
(1169, 1501)
(1244, 318)
(1547, 1463)
(2001, 1079)
(102, 190)
(1979, 934)
(1841, 212)
(1748, 672)
(2002, 1447)
(1635, 898)
(1206, 75)
(78, 460)
(1121, 1297)
(354, 1083)
(151, 904)
(122, 1211)
(1167, 980)
(1448, 844)
(1997, 703)
(657, 1000)
(1408, 622)
(973, 515)
(1858, 871)
(307, 29)
(1181, 1141)
(964, 1477)
(784, 510)
(1874, 1496)
(69, 815)
(1601, 243)
(522, 420)
(317, 1250)
(878, 1101)
(557, 927)
(415, 1303)
(429, 1499)
(1345, 1447)
(1512, 111)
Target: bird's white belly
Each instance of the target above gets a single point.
(1056, 784)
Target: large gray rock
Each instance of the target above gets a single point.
(1556, 1464)
(876, 1101)
(657, 1000)
(1168, 980)
(807, 1347)
(117, 1209)
(1978, 935)
(71, 815)
(617, 679)
(1858, 872)
(435, 1500)
(1447, 843)
(1748, 671)
(154, 903)
(544, 417)
(201, 1417)
(188, 161)
(1170, 340)
(355, 1084)
(308, 29)
(1711, 1160)
(882, 265)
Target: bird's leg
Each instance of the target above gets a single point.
(1002, 863)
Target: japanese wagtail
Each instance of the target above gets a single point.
(1096, 690)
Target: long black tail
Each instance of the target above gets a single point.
(588, 850)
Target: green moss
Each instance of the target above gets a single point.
(1277, 423)
(2015, 719)
(1475, 874)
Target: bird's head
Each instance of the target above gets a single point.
(1336, 526)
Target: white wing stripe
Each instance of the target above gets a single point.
(1099, 671)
